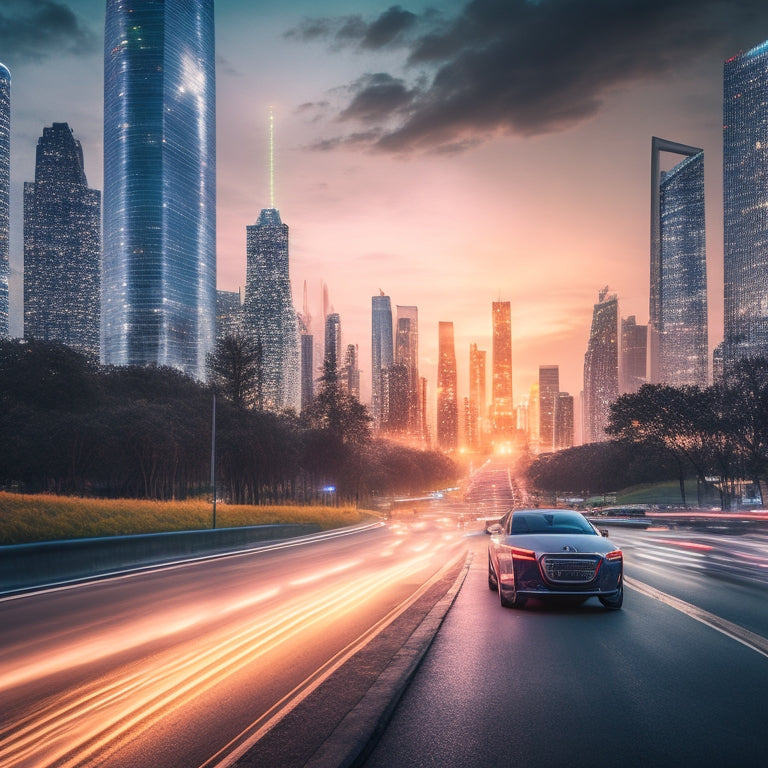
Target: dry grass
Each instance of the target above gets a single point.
(43, 517)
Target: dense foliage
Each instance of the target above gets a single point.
(718, 434)
(69, 426)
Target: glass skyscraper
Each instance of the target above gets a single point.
(159, 264)
(601, 367)
(447, 390)
(268, 313)
(549, 389)
(62, 246)
(678, 305)
(504, 419)
(407, 354)
(382, 357)
(5, 195)
(745, 198)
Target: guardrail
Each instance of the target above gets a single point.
(25, 566)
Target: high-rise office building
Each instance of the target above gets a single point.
(307, 370)
(407, 354)
(447, 391)
(62, 246)
(533, 417)
(333, 353)
(477, 396)
(634, 354)
(382, 357)
(601, 367)
(745, 198)
(159, 262)
(503, 411)
(268, 314)
(549, 389)
(5, 197)
(352, 371)
(564, 421)
(677, 324)
(228, 313)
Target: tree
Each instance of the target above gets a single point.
(234, 368)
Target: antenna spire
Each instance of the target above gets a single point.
(271, 158)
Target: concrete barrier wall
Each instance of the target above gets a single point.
(30, 565)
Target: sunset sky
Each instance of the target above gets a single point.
(449, 154)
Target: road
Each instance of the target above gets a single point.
(170, 666)
(678, 677)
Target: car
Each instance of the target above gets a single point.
(553, 553)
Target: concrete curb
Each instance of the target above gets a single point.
(356, 735)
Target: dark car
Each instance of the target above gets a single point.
(548, 553)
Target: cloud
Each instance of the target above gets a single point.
(521, 67)
(32, 30)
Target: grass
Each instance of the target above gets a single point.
(30, 518)
(658, 493)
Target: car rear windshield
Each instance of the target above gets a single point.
(550, 522)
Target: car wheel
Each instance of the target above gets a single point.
(510, 598)
(614, 602)
(493, 585)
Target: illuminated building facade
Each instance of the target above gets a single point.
(477, 396)
(5, 196)
(268, 314)
(549, 389)
(447, 395)
(159, 263)
(564, 421)
(228, 313)
(678, 297)
(382, 357)
(745, 198)
(332, 356)
(407, 354)
(62, 246)
(601, 367)
(503, 411)
(634, 354)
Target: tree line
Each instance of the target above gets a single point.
(717, 434)
(70, 426)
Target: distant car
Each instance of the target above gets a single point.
(548, 553)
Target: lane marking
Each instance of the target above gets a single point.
(751, 640)
(240, 745)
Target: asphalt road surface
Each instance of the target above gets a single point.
(169, 667)
(678, 677)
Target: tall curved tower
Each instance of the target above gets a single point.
(5, 194)
(159, 263)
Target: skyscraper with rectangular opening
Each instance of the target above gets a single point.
(159, 264)
(745, 199)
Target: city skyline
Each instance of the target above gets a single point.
(446, 221)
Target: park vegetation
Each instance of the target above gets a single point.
(71, 427)
(717, 435)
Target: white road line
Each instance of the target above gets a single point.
(751, 640)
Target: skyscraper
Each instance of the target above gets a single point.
(307, 370)
(677, 325)
(228, 313)
(407, 354)
(601, 367)
(564, 421)
(159, 264)
(5, 195)
(549, 389)
(477, 396)
(62, 246)
(352, 371)
(745, 198)
(268, 314)
(333, 356)
(634, 354)
(503, 415)
(382, 356)
(447, 395)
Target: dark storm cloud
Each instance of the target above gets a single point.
(32, 30)
(524, 67)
